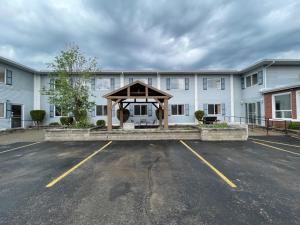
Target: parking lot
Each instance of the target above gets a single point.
(151, 182)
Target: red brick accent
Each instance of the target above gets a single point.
(268, 105)
(294, 104)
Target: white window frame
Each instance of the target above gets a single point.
(4, 110)
(214, 80)
(54, 111)
(102, 106)
(251, 80)
(4, 82)
(177, 79)
(183, 106)
(99, 86)
(214, 104)
(274, 106)
(140, 105)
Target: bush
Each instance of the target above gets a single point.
(66, 120)
(157, 116)
(100, 123)
(37, 116)
(54, 124)
(294, 126)
(215, 125)
(126, 115)
(199, 115)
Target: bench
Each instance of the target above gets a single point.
(209, 119)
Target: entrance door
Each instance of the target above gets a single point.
(251, 113)
(16, 116)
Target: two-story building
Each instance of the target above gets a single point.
(266, 89)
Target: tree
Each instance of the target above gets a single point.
(71, 72)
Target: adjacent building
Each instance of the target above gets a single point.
(268, 89)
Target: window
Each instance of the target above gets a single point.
(2, 76)
(251, 80)
(101, 110)
(214, 109)
(178, 83)
(283, 107)
(214, 83)
(59, 111)
(177, 109)
(1, 110)
(144, 80)
(104, 84)
(140, 110)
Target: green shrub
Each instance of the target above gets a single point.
(126, 114)
(37, 116)
(199, 115)
(54, 124)
(294, 126)
(215, 125)
(66, 120)
(157, 115)
(100, 123)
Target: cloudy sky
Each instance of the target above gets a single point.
(152, 34)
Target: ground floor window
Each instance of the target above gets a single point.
(177, 109)
(101, 110)
(1, 110)
(140, 110)
(214, 109)
(283, 108)
(60, 112)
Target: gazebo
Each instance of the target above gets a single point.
(133, 91)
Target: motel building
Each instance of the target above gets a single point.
(268, 90)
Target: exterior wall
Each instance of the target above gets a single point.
(19, 93)
(282, 76)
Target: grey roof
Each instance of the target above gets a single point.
(262, 63)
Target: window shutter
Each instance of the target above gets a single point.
(131, 109)
(204, 83)
(51, 111)
(187, 109)
(205, 109)
(222, 83)
(8, 77)
(223, 109)
(258, 112)
(243, 82)
(187, 80)
(169, 110)
(149, 109)
(130, 80)
(150, 82)
(93, 83)
(168, 83)
(8, 110)
(51, 84)
(112, 83)
(260, 78)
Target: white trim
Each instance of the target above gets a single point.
(196, 94)
(273, 105)
(54, 113)
(265, 77)
(231, 99)
(36, 91)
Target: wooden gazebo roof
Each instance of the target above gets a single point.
(137, 90)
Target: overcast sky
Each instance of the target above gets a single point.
(157, 34)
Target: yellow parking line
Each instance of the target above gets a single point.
(279, 149)
(76, 166)
(294, 136)
(13, 149)
(273, 142)
(221, 175)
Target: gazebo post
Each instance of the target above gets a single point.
(109, 114)
(165, 113)
(121, 115)
(160, 116)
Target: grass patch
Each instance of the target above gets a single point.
(215, 125)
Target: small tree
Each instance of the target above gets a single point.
(72, 72)
(126, 114)
(157, 113)
(37, 116)
(199, 115)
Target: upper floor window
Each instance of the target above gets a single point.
(251, 80)
(2, 76)
(214, 83)
(101, 110)
(214, 109)
(104, 84)
(1, 110)
(177, 109)
(177, 83)
(8, 77)
(283, 107)
(140, 110)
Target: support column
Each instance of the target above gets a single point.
(109, 115)
(160, 112)
(165, 113)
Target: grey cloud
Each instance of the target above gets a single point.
(147, 34)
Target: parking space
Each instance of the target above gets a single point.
(150, 182)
